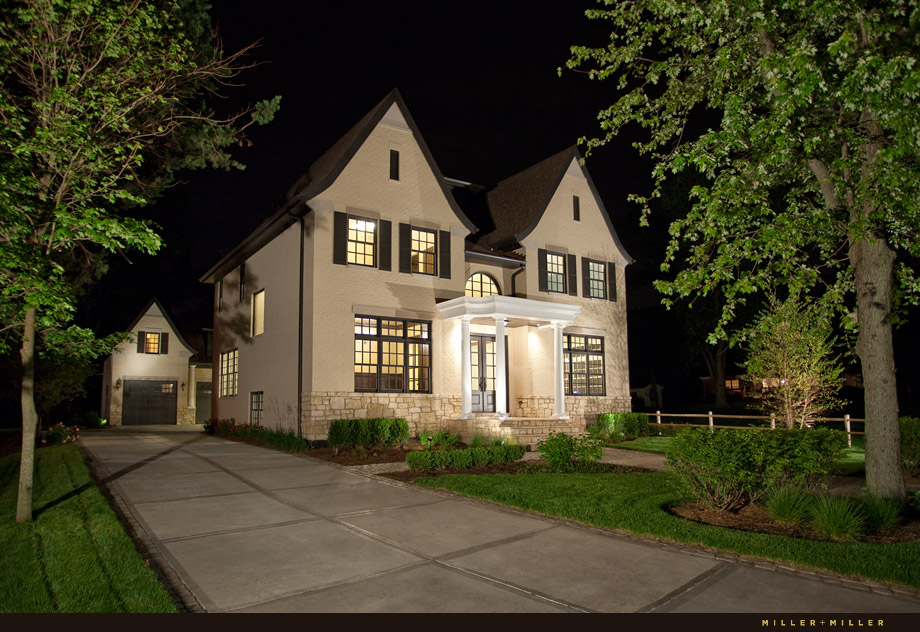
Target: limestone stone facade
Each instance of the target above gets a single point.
(423, 412)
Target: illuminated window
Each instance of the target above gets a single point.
(555, 272)
(424, 251)
(257, 319)
(392, 355)
(166, 387)
(229, 373)
(151, 342)
(255, 407)
(362, 241)
(597, 278)
(481, 284)
(583, 358)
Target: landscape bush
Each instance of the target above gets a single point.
(910, 445)
(444, 439)
(59, 433)
(89, 419)
(620, 425)
(258, 435)
(790, 504)
(367, 433)
(564, 453)
(424, 460)
(838, 517)
(730, 468)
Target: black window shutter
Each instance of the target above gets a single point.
(386, 245)
(585, 277)
(541, 270)
(164, 342)
(444, 254)
(405, 245)
(573, 275)
(340, 239)
(612, 281)
(394, 164)
(141, 341)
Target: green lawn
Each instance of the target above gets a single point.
(75, 555)
(852, 463)
(637, 502)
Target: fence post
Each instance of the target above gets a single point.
(658, 416)
(710, 421)
(846, 423)
(772, 422)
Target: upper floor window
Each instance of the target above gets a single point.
(394, 164)
(597, 278)
(257, 316)
(555, 272)
(362, 241)
(482, 284)
(576, 208)
(229, 372)
(155, 342)
(424, 251)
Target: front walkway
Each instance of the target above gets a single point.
(238, 528)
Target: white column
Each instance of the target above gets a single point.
(501, 387)
(466, 370)
(558, 373)
(191, 386)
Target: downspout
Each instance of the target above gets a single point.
(303, 230)
(519, 270)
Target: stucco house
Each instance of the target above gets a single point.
(157, 377)
(371, 293)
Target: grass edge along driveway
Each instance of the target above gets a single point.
(637, 503)
(75, 555)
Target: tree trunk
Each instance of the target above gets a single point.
(715, 360)
(29, 419)
(872, 262)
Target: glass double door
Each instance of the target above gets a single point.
(482, 362)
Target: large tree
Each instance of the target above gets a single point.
(804, 115)
(100, 103)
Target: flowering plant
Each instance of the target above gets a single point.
(59, 433)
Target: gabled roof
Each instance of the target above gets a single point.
(517, 204)
(321, 175)
(169, 321)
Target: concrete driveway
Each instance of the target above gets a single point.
(238, 528)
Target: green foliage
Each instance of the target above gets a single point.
(443, 439)
(881, 515)
(789, 504)
(89, 419)
(424, 460)
(728, 469)
(257, 435)
(563, 453)
(792, 348)
(59, 433)
(837, 517)
(367, 433)
(619, 426)
(910, 444)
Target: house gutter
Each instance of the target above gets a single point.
(303, 229)
(514, 274)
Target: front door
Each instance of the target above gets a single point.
(482, 360)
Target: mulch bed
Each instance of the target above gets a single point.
(365, 457)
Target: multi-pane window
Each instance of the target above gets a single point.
(424, 251)
(229, 373)
(583, 358)
(481, 284)
(392, 355)
(256, 399)
(362, 241)
(555, 272)
(257, 319)
(597, 279)
(151, 342)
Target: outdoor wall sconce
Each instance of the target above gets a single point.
(117, 384)
(183, 386)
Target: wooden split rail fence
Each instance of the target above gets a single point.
(846, 419)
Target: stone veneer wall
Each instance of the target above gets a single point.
(423, 411)
(185, 416)
(114, 415)
(581, 410)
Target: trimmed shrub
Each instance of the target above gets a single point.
(837, 517)
(258, 435)
(367, 433)
(563, 453)
(730, 468)
(423, 460)
(620, 425)
(910, 445)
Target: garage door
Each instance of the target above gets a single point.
(149, 402)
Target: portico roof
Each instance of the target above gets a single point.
(511, 307)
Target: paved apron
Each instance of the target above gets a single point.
(238, 528)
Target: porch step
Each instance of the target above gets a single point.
(529, 431)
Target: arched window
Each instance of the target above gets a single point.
(482, 284)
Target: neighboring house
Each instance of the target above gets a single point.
(370, 293)
(156, 378)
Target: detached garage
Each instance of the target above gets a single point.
(154, 378)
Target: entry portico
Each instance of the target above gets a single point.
(501, 310)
